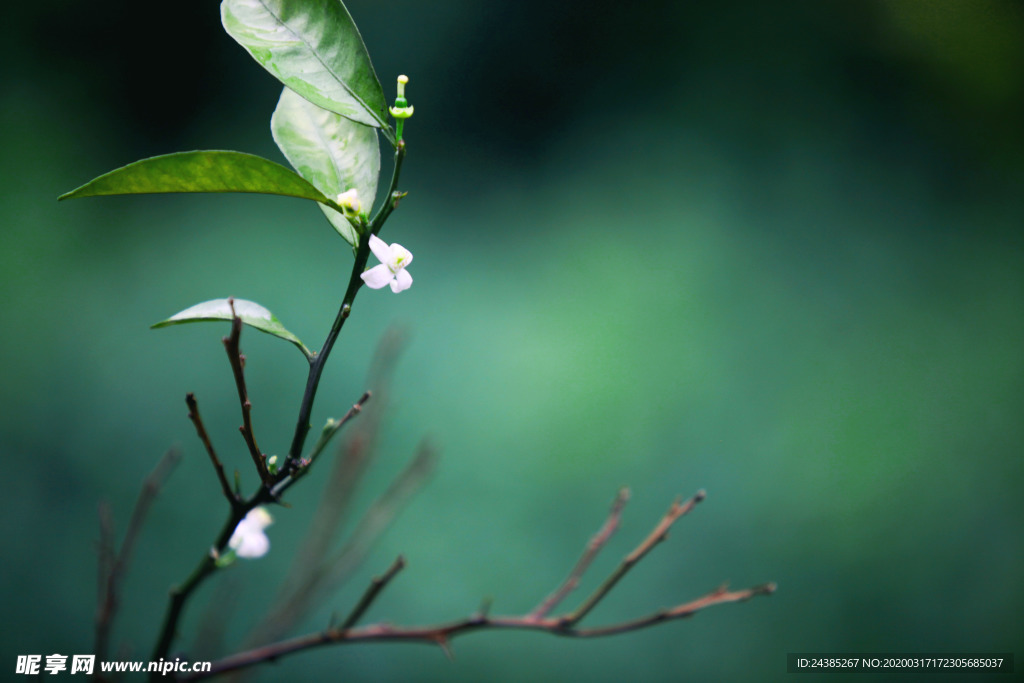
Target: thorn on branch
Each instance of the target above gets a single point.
(446, 647)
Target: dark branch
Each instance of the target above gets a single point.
(193, 414)
(298, 593)
(232, 346)
(303, 466)
(355, 282)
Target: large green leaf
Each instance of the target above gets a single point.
(202, 171)
(314, 48)
(330, 151)
(250, 313)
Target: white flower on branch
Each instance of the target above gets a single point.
(249, 541)
(350, 204)
(394, 259)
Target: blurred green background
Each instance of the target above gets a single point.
(771, 250)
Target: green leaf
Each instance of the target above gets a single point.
(250, 312)
(314, 48)
(202, 171)
(330, 151)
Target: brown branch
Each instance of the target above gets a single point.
(113, 566)
(231, 345)
(193, 414)
(563, 626)
(591, 551)
(378, 584)
(659, 534)
(442, 634)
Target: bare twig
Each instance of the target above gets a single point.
(232, 346)
(335, 426)
(193, 414)
(299, 592)
(330, 429)
(442, 634)
(332, 571)
(179, 595)
(659, 534)
(378, 584)
(564, 626)
(113, 566)
(591, 551)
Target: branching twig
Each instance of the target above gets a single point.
(659, 534)
(325, 574)
(179, 595)
(231, 345)
(299, 591)
(114, 565)
(593, 548)
(564, 626)
(330, 429)
(193, 414)
(378, 584)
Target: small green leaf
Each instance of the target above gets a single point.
(330, 151)
(315, 49)
(201, 171)
(250, 312)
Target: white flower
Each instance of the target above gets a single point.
(349, 203)
(394, 259)
(249, 541)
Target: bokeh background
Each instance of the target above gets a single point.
(771, 250)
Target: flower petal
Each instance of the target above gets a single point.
(248, 540)
(400, 256)
(380, 249)
(254, 544)
(259, 518)
(401, 282)
(378, 276)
